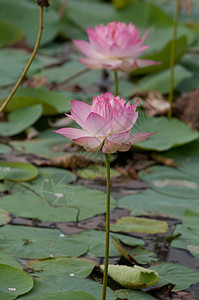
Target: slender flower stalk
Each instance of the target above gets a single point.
(29, 62)
(116, 83)
(172, 58)
(107, 155)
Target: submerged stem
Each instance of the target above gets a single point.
(107, 155)
(116, 83)
(28, 64)
(172, 59)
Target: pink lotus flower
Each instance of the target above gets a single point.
(107, 124)
(115, 46)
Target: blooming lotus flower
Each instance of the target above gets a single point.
(106, 123)
(115, 46)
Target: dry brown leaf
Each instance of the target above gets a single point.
(163, 160)
(71, 161)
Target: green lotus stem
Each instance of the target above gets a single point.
(28, 64)
(116, 83)
(172, 59)
(107, 155)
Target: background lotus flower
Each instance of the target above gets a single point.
(115, 46)
(107, 124)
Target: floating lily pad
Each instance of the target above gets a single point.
(37, 243)
(186, 238)
(166, 137)
(187, 162)
(7, 259)
(95, 241)
(194, 250)
(14, 282)
(179, 275)
(67, 204)
(63, 72)
(150, 202)
(94, 171)
(62, 266)
(46, 145)
(4, 217)
(133, 295)
(191, 218)
(66, 295)
(160, 81)
(4, 149)
(25, 15)
(142, 256)
(17, 171)
(132, 277)
(20, 119)
(53, 284)
(52, 102)
(141, 225)
(171, 182)
(9, 34)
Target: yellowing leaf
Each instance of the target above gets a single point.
(132, 277)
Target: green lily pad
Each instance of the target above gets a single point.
(166, 137)
(4, 217)
(185, 160)
(191, 218)
(63, 72)
(25, 15)
(94, 171)
(67, 295)
(52, 102)
(19, 58)
(194, 250)
(20, 119)
(9, 34)
(171, 182)
(95, 241)
(132, 277)
(150, 202)
(4, 149)
(62, 204)
(37, 243)
(185, 239)
(53, 284)
(141, 225)
(17, 171)
(7, 259)
(160, 81)
(160, 48)
(14, 282)
(142, 256)
(46, 144)
(133, 295)
(62, 266)
(179, 275)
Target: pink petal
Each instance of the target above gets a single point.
(81, 109)
(124, 147)
(139, 137)
(89, 143)
(112, 64)
(124, 122)
(119, 138)
(86, 48)
(91, 63)
(97, 125)
(71, 133)
(141, 63)
(110, 147)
